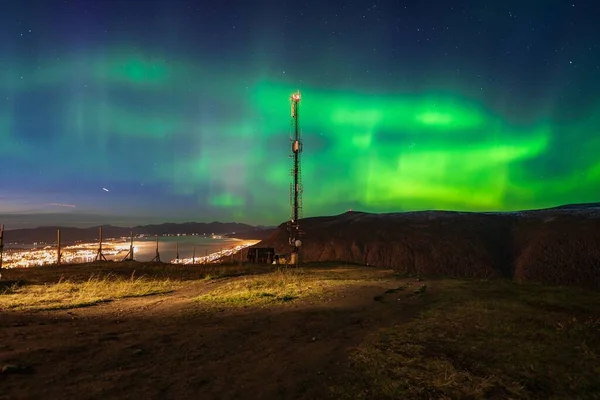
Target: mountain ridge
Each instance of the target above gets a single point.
(48, 234)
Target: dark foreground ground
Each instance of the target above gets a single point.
(324, 331)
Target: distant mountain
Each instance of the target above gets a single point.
(48, 234)
(579, 206)
(259, 233)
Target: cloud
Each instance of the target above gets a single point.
(61, 205)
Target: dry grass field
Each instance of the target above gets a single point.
(158, 331)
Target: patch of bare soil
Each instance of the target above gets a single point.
(169, 347)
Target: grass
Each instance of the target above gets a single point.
(82, 272)
(280, 286)
(486, 340)
(66, 294)
(469, 339)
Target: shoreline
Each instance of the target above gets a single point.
(187, 250)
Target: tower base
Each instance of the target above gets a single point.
(294, 259)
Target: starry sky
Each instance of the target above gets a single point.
(144, 111)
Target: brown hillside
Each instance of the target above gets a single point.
(558, 246)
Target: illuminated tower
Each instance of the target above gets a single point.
(296, 187)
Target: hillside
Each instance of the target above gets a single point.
(556, 246)
(48, 233)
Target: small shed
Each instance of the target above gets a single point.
(261, 255)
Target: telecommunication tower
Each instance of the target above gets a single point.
(296, 186)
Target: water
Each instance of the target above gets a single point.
(145, 249)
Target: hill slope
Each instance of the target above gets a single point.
(557, 246)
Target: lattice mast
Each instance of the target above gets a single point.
(296, 187)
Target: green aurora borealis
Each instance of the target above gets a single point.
(186, 138)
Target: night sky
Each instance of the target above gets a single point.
(138, 111)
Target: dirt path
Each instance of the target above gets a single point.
(167, 347)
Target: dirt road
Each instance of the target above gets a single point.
(169, 347)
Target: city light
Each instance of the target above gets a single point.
(74, 254)
(87, 252)
(214, 257)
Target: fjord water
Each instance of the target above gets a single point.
(145, 249)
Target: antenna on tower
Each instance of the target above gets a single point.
(296, 187)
